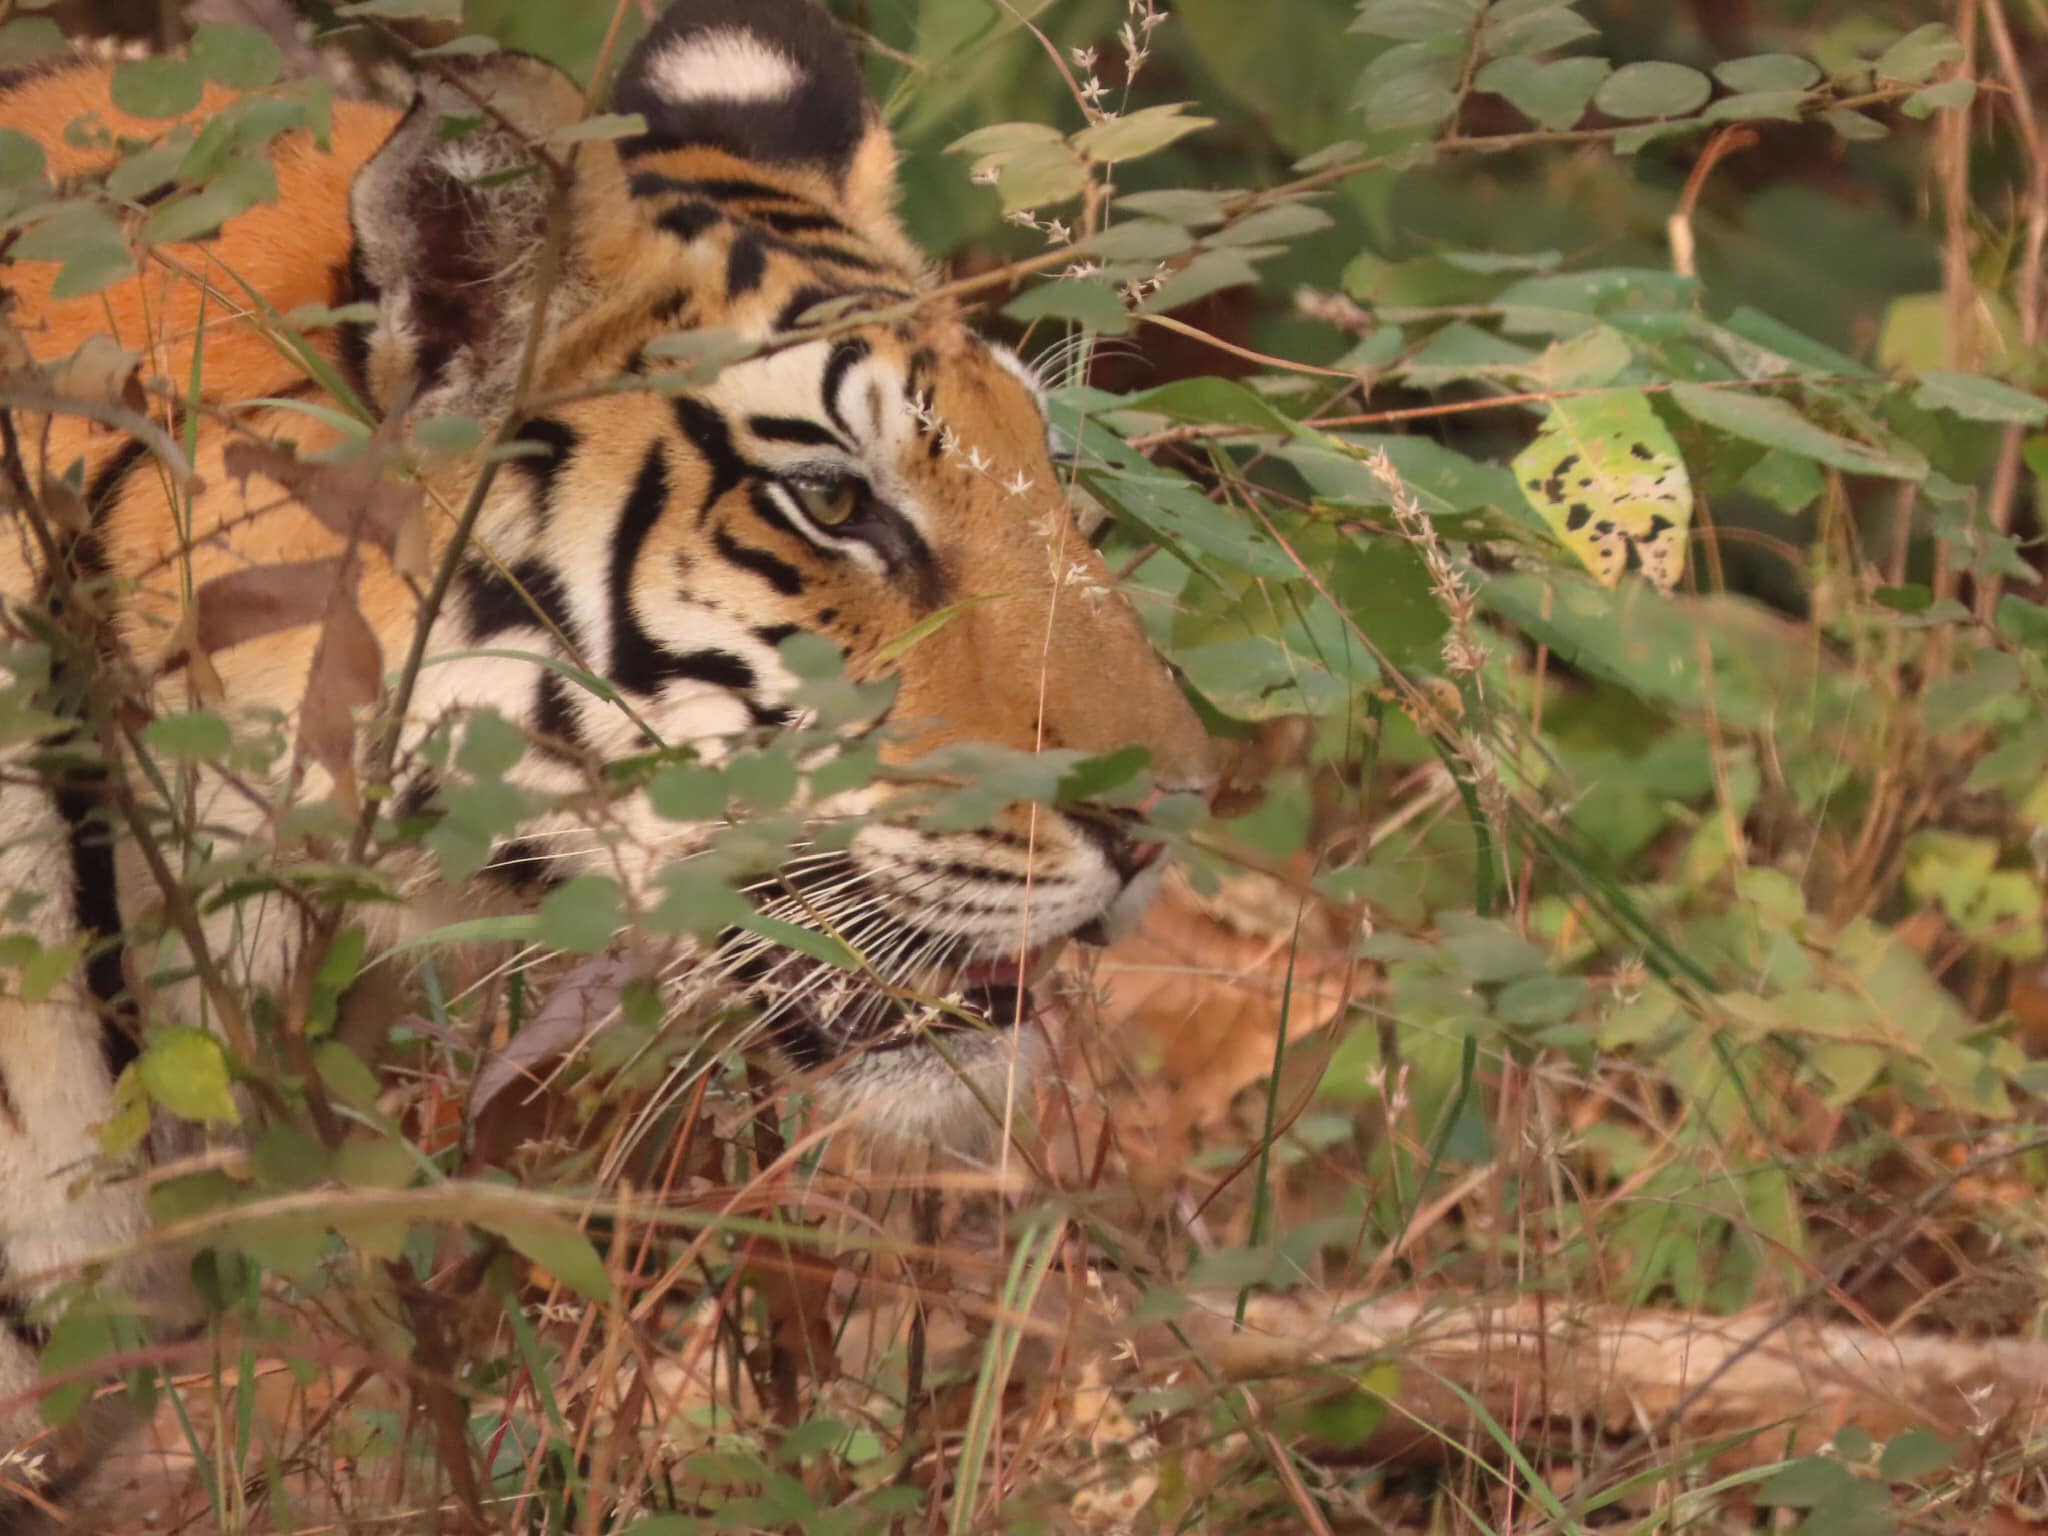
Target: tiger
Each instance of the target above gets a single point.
(884, 474)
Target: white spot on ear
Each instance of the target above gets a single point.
(724, 64)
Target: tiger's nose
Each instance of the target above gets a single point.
(1115, 835)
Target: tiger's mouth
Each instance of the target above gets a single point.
(823, 1016)
(940, 958)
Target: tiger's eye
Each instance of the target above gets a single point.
(828, 503)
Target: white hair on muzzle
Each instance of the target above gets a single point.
(911, 1095)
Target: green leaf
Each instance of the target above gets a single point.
(1768, 72)
(158, 87)
(468, 46)
(1091, 302)
(1136, 134)
(1606, 476)
(1278, 224)
(1554, 95)
(580, 916)
(1813, 1482)
(405, 10)
(902, 644)
(448, 434)
(1096, 776)
(200, 735)
(242, 183)
(559, 1249)
(1485, 953)
(1411, 21)
(186, 1071)
(376, 1164)
(28, 39)
(2022, 622)
(1979, 399)
(1917, 55)
(1790, 482)
(84, 1334)
(1949, 94)
(1213, 400)
(1384, 583)
(1754, 106)
(1138, 240)
(344, 959)
(1916, 1454)
(491, 745)
(42, 971)
(284, 1157)
(1536, 1000)
(604, 126)
(1633, 141)
(1653, 89)
(345, 1075)
(242, 58)
(688, 792)
(1185, 206)
(1411, 85)
(1042, 176)
(21, 158)
(1347, 1420)
(1772, 422)
(765, 780)
(138, 176)
(1537, 31)
(1005, 138)
(1855, 127)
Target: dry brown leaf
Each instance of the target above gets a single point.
(104, 372)
(202, 680)
(261, 600)
(352, 498)
(347, 673)
(65, 506)
(411, 554)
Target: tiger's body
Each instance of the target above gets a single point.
(848, 487)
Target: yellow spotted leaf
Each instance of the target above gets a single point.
(1608, 479)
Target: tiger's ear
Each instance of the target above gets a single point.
(449, 216)
(771, 82)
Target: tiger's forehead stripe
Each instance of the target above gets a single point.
(696, 196)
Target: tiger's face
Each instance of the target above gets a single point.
(889, 474)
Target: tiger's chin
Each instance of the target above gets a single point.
(941, 1064)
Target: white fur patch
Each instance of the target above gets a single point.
(918, 1095)
(725, 64)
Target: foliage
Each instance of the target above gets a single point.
(1580, 436)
